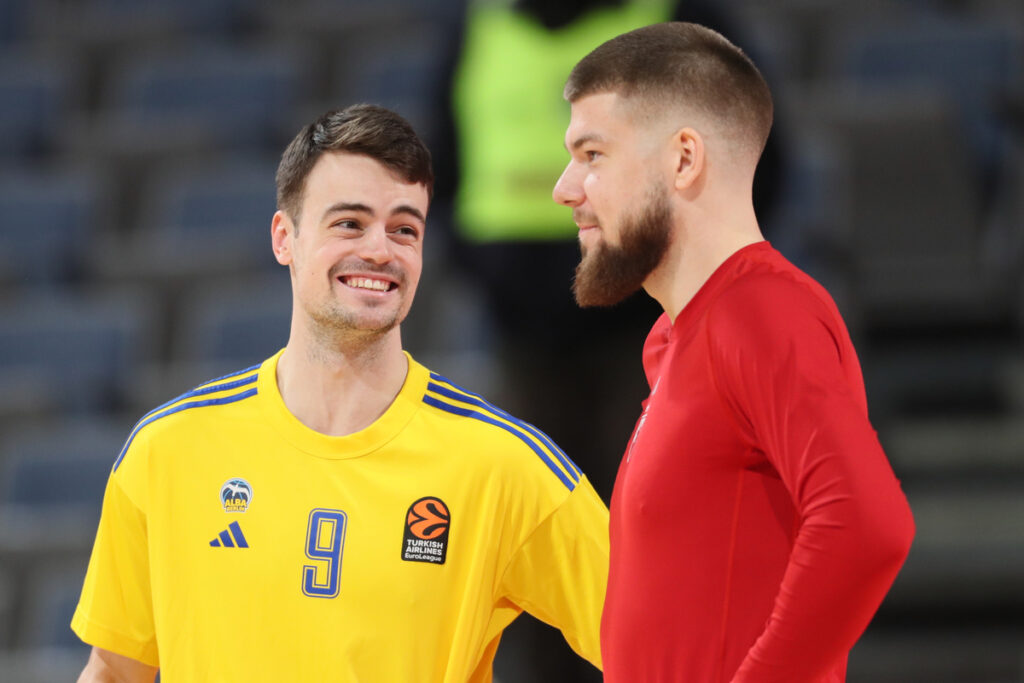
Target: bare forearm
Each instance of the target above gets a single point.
(106, 667)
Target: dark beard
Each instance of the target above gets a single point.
(609, 274)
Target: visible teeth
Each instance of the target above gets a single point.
(367, 283)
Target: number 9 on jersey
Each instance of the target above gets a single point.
(325, 541)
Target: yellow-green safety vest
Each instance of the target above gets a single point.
(511, 118)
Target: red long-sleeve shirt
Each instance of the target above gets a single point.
(755, 524)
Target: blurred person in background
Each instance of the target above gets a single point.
(756, 524)
(339, 512)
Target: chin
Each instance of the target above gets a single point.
(376, 325)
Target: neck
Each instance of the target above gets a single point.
(700, 244)
(342, 387)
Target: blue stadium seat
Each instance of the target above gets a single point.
(63, 465)
(44, 647)
(115, 22)
(970, 61)
(14, 20)
(34, 95)
(85, 347)
(50, 600)
(321, 17)
(242, 95)
(238, 326)
(52, 479)
(954, 53)
(192, 15)
(807, 220)
(226, 207)
(49, 219)
(404, 70)
(910, 226)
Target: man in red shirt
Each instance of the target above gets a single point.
(755, 523)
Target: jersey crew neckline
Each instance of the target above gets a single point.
(355, 445)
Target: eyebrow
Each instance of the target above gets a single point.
(339, 207)
(411, 210)
(584, 139)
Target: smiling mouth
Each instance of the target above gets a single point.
(367, 283)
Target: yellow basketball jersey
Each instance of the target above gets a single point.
(237, 544)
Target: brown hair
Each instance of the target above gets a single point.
(365, 129)
(680, 63)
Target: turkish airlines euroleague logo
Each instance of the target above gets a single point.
(426, 531)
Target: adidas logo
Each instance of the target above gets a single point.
(224, 540)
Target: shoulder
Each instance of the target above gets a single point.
(497, 438)
(179, 412)
(772, 318)
(771, 301)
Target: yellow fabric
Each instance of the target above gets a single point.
(511, 117)
(518, 538)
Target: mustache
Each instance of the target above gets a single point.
(361, 266)
(583, 218)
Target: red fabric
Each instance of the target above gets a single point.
(755, 524)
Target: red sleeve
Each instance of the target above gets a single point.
(782, 362)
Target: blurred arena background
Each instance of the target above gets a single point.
(138, 143)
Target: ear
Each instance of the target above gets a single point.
(689, 155)
(281, 231)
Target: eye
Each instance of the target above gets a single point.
(592, 155)
(407, 231)
(346, 224)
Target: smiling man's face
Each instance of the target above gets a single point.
(357, 252)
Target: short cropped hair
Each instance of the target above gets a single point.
(685, 64)
(365, 129)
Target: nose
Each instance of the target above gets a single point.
(374, 245)
(569, 190)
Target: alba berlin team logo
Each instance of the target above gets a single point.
(426, 531)
(235, 495)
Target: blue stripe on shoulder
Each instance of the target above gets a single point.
(574, 473)
(476, 399)
(468, 412)
(209, 388)
(232, 374)
(170, 408)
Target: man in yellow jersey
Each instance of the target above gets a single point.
(339, 512)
